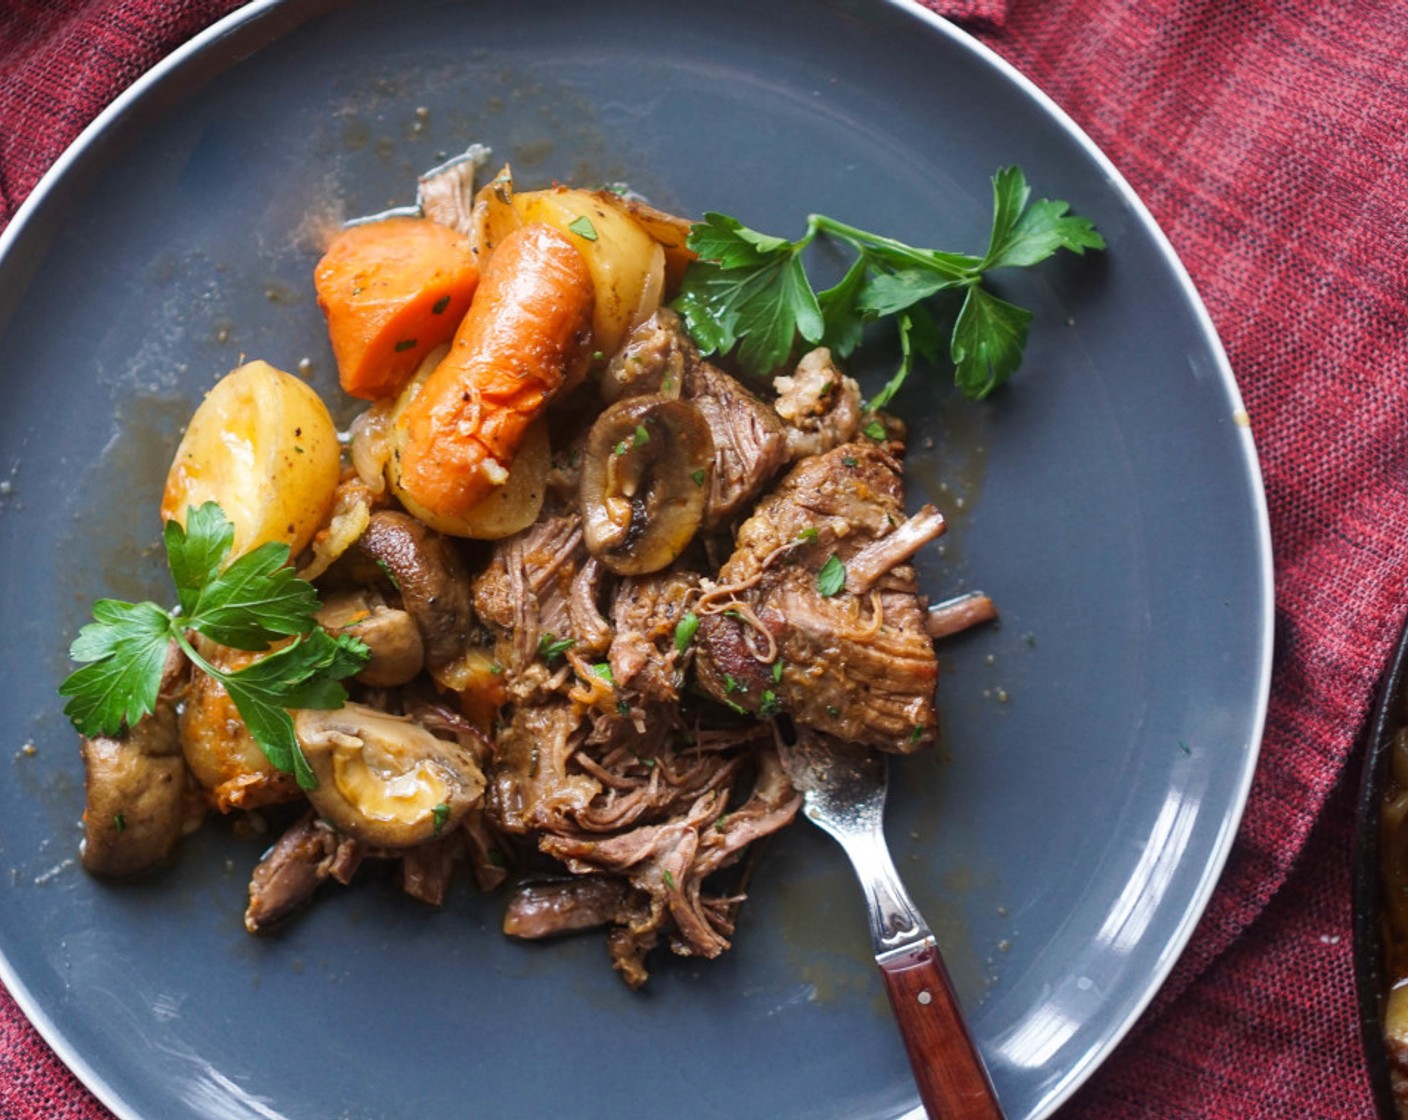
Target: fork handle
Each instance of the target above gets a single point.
(953, 1082)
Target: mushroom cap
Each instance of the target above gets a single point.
(385, 779)
(644, 482)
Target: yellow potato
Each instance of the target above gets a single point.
(626, 263)
(512, 506)
(492, 217)
(263, 446)
(220, 751)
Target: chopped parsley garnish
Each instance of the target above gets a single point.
(404, 345)
(832, 577)
(550, 648)
(582, 227)
(388, 573)
(441, 813)
(440, 305)
(699, 476)
(684, 630)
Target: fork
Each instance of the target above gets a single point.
(843, 786)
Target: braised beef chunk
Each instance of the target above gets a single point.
(750, 442)
(533, 786)
(305, 857)
(538, 909)
(646, 613)
(788, 628)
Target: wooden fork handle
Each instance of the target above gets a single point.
(953, 1082)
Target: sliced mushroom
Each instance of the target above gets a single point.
(384, 779)
(430, 576)
(397, 652)
(645, 478)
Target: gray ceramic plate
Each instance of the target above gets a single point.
(1098, 745)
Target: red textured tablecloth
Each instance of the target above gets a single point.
(1270, 140)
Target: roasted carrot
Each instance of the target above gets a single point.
(527, 329)
(392, 291)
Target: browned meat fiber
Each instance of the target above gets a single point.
(849, 654)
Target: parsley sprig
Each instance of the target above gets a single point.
(251, 604)
(750, 291)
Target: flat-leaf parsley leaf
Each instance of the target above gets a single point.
(748, 292)
(254, 602)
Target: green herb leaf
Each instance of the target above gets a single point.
(843, 320)
(258, 598)
(603, 670)
(197, 551)
(748, 293)
(550, 647)
(582, 227)
(1025, 235)
(254, 601)
(684, 630)
(441, 814)
(125, 649)
(832, 577)
(748, 290)
(987, 342)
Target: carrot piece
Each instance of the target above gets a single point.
(392, 290)
(527, 329)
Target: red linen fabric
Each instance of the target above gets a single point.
(1270, 139)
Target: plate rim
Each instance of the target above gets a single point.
(1231, 825)
(152, 80)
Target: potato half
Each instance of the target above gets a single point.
(626, 263)
(263, 446)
